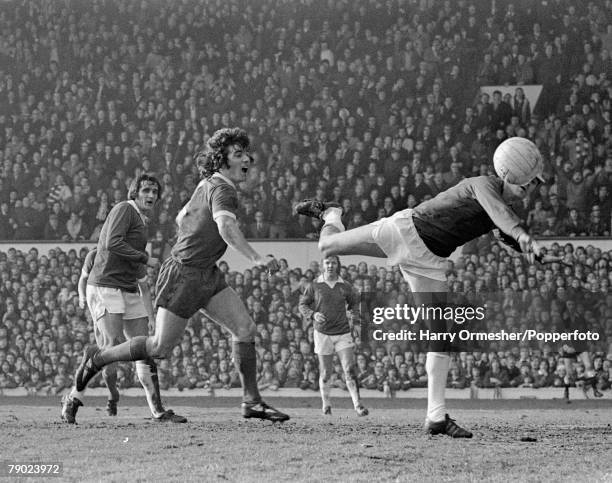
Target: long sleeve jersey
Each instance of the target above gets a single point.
(333, 301)
(121, 256)
(469, 209)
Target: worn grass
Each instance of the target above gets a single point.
(574, 442)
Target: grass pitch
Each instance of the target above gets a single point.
(574, 442)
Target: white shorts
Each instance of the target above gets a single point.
(325, 345)
(114, 301)
(398, 238)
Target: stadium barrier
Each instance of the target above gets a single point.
(545, 393)
(298, 253)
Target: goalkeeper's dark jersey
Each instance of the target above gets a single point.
(469, 209)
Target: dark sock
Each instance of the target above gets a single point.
(132, 350)
(245, 360)
(109, 373)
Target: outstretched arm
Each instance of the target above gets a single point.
(503, 216)
(231, 234)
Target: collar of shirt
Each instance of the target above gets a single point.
(321, 279)
(143, 217)
(224, 178)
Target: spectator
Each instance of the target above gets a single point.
(259, 229)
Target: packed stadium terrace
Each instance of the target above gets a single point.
(43, 331)
(374, 104)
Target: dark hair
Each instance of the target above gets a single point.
(214, 156)
(137, 183)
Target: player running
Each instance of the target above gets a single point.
(419, 240)
(327, 300)
(190, 280)
(117, 275)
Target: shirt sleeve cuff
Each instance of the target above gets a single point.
(219, 213)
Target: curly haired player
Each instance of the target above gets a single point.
(189, 280)
(419, 240)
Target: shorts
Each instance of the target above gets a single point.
(114, 301)
(399, 239)
(184, 290)
(325, 345)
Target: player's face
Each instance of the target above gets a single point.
(523, 191)
(147, 196)
(330, 267)
(239, 161)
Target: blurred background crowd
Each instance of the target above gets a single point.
(43, 331)
(374, 104)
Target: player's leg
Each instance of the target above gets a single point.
(334, 240)
(590, 379)
(430, 292)
(324, 349)
(110, 327)
(109, 373)
(567, 362)
(325, 371)
(169, 329)
(146, 369)
(358, 241)
(227, 309)
(346, 353)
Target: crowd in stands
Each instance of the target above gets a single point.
(43, 330)
(372, 103)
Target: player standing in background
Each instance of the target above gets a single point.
(117, 275)
(421, 239)
(570, 352)
(327, 300)
(190, 280)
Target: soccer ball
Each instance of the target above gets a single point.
(518, 161)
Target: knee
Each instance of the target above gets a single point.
(159, 349)
(111, 341)
(349, 374)
(324, 375)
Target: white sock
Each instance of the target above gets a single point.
(78, 394)
(436, 365)
(351, 385)
(145, 377)
(333, 216)
(325, 390)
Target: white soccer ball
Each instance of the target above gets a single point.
(518, 161)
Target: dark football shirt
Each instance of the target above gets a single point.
(121, 256)
(471, 208)
(199, 243)
(333, 302)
